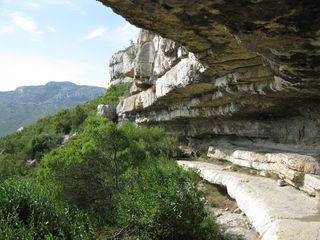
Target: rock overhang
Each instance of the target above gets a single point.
(227, 71)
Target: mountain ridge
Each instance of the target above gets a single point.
(26, 104)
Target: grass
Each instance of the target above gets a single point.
(216, 196)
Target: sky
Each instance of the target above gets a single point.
(59, 40)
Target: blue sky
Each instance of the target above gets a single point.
(58, 40)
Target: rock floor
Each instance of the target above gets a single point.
(235, 224)
(232, 220)
(277, 213)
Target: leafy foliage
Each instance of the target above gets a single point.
(31, 211)
(9, 167)
(108, 182)
(164, 203)
(47, 133)
(90, 168)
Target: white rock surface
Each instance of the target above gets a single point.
(179, 76)
(121, 66)
(155, 56)
(235, 224)
(67, 138)
(276, 213)
(311, 184)
(299, 170)
(20, 129)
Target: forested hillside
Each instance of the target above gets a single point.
(108, 181)
(26, 104)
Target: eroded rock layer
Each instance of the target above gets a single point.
(244, 73)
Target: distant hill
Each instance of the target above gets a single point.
(26, 104)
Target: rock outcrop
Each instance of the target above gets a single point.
(234, 75)
(121, 66)
(108, 112)
(299, 170)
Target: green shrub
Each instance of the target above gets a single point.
(124, 178)
(90, 167)
(9, 167)
(121, 178)
(113, 95)
(151, 141)
(46, 134)
(42, 143)
(31, 211)
(163, 203)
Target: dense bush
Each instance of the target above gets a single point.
(31, 211)
(47, 133)
(163, 203)
(9, 167)
(90, 168)
(124, 178)
(116, 94)
(108, 182)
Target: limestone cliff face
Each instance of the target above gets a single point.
(121, 66)
(236, 76)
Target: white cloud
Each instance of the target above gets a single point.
(25, 23)
(21, 70)
(95, 33)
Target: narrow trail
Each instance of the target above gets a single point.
(277, 213)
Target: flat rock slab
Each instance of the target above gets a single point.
(277, 213)
(236, 225)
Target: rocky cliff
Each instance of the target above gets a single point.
(121, 66)
(236, 79)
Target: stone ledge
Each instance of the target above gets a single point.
(300, 170)
(277, 213)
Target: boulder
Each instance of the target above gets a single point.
(20, 129)
(67, 137)
(31, 163)
(108, 112)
